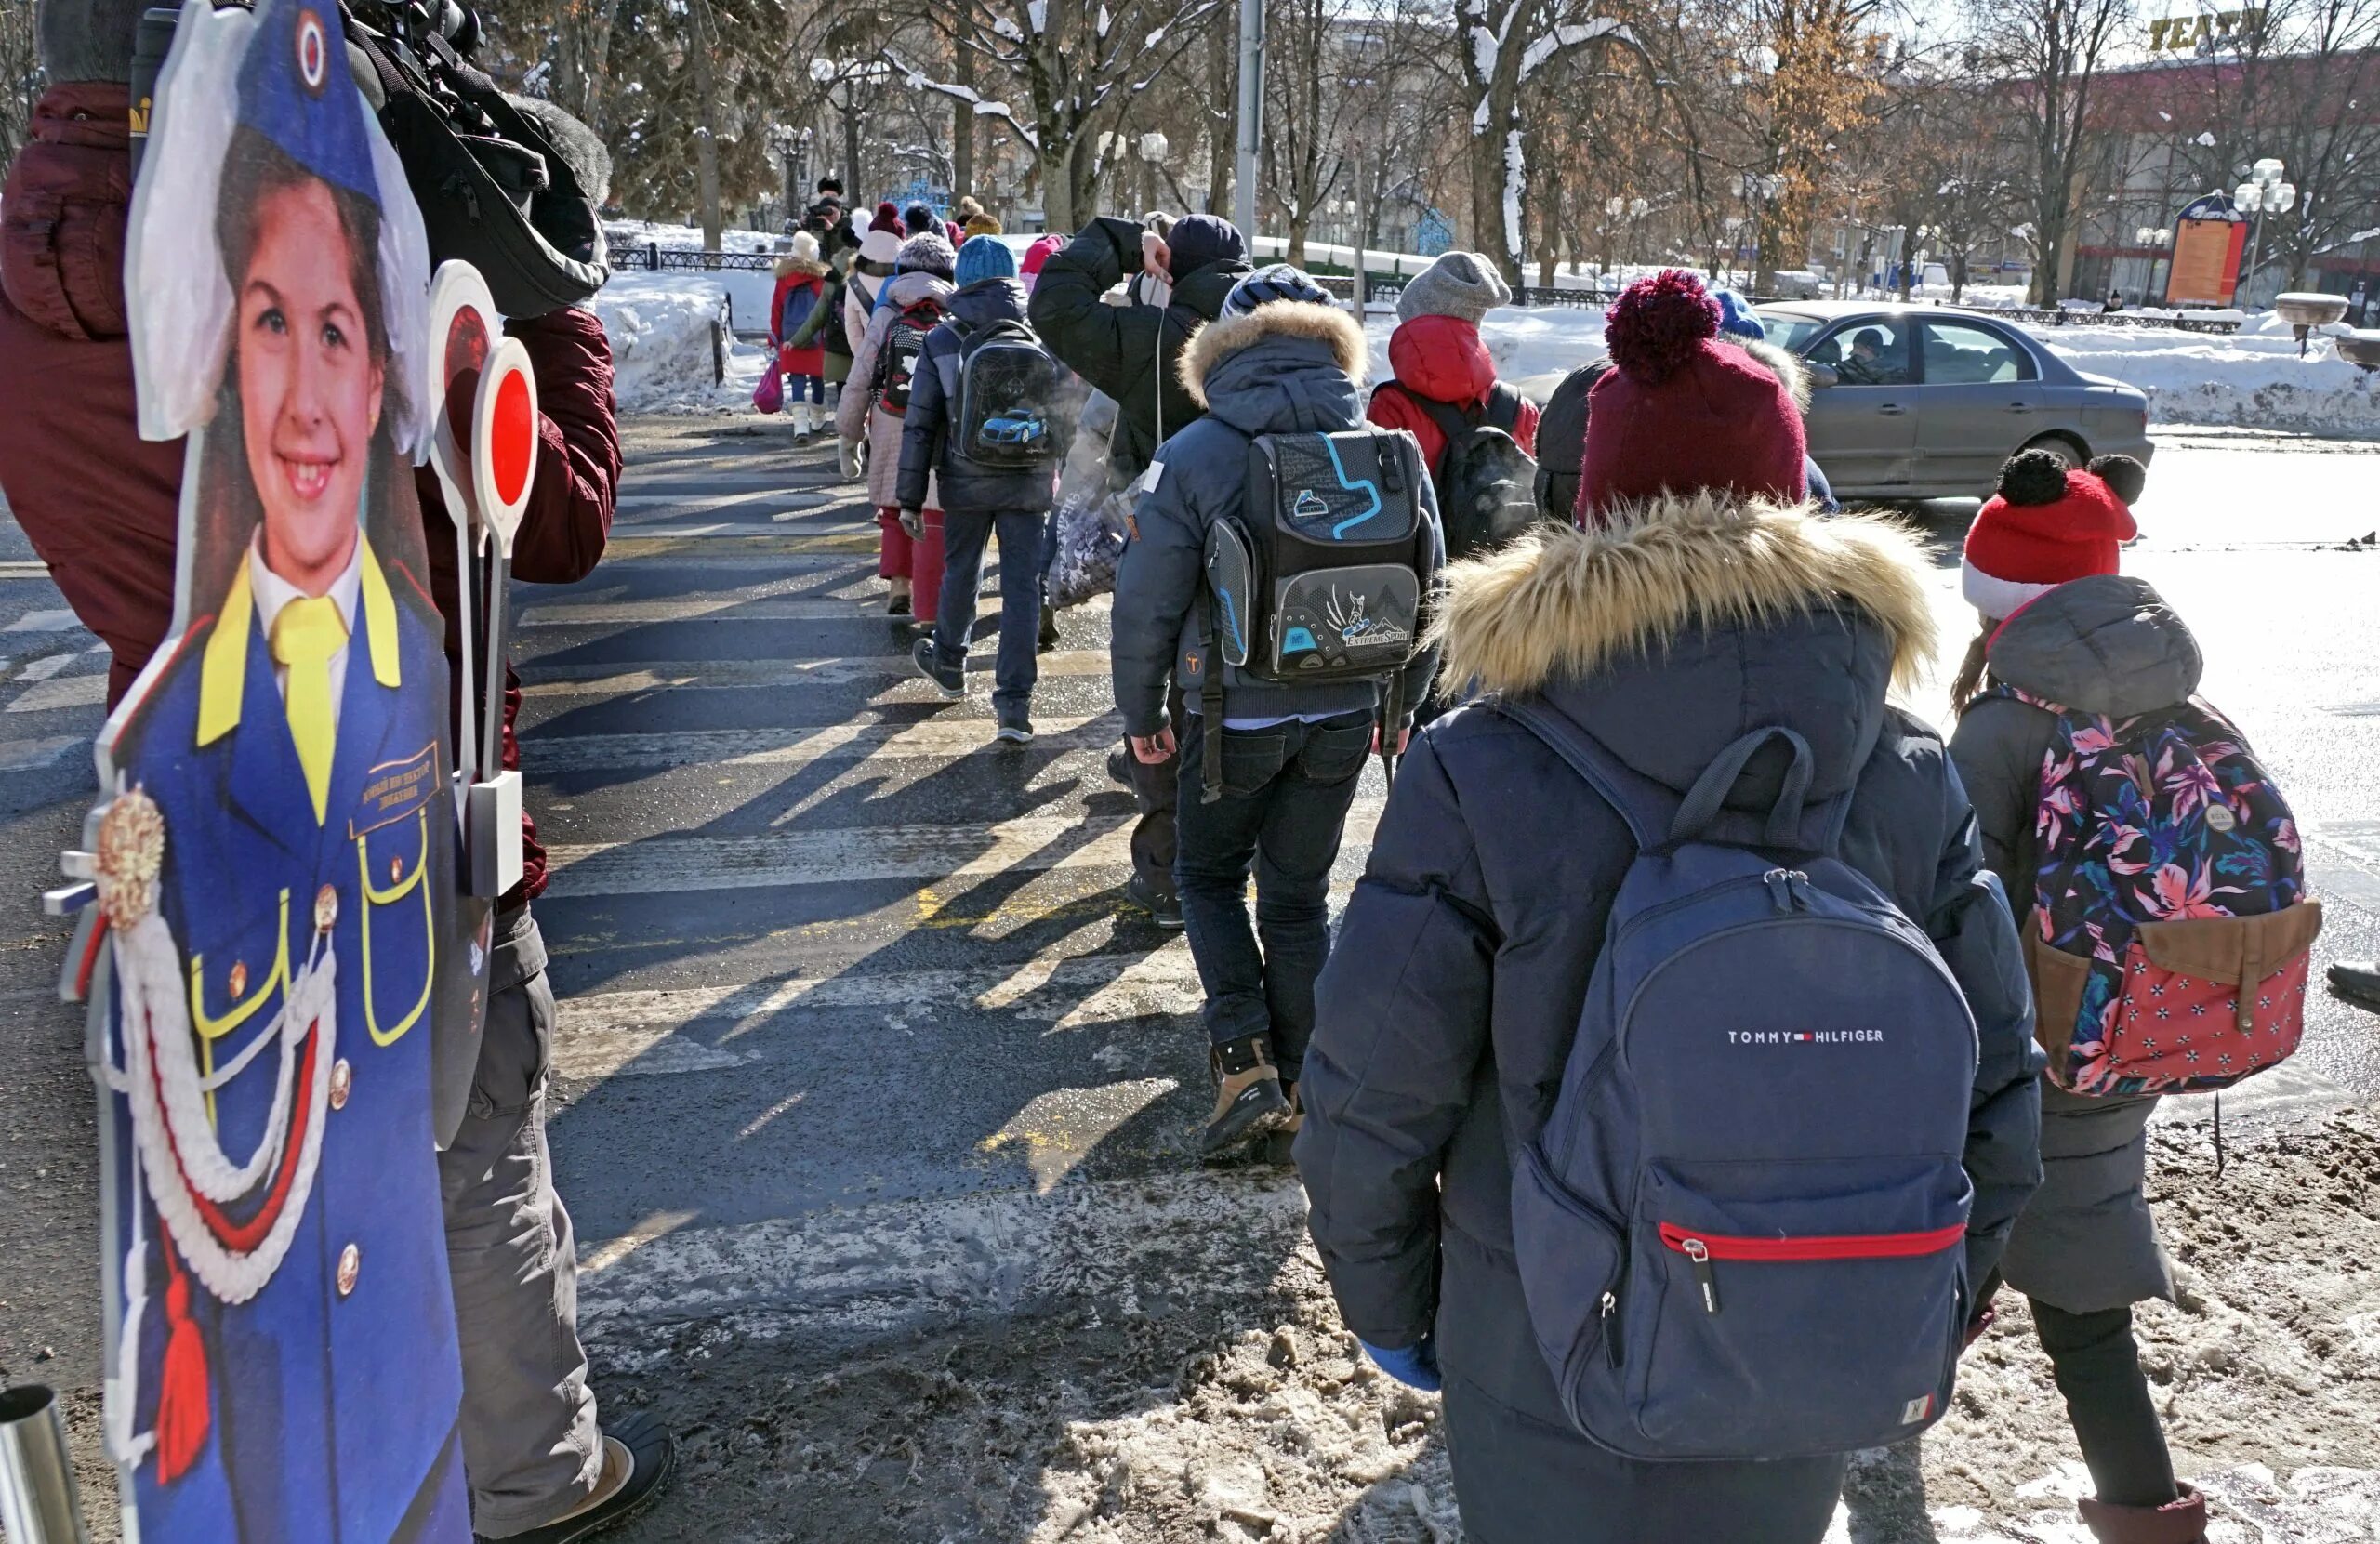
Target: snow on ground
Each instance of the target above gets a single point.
(2252, 376)
(1153, 1360)
(660, 327)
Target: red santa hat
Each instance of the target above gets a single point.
(1680, 411)
(2046, 526)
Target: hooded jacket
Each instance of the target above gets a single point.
(102, 506)
(802, 288)
(1283, 368)
(1489, 885)
(1441, 358)
(1132, 352)
(871, 270)
(2107, 644)
(928, 451)
(857, 413)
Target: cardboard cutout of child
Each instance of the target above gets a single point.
(276, 848)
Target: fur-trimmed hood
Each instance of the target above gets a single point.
(1282, 367)
(1688, 620)
(788, 265)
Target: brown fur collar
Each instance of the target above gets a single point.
(1210, 344)
(1564, 603)
(787, 263)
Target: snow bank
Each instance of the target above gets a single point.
(661, 330)
(2251, 378)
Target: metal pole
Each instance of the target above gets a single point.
(1251, 118)
(1362, 219)
(2256, 251)
(37, 1483)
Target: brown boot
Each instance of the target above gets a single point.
(2178, 1521)
(1248, 1102)
(1280, 1144)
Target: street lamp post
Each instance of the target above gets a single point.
(2263, 193)
(783, 140)
(1760, 193)
(1153, 147)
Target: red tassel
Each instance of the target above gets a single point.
(182, 1402)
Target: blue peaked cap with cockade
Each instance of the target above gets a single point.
(295, 90)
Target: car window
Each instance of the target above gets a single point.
(1959, 353)
(1789, 332)
(1870, 352)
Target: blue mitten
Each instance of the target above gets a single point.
(1415, 1366)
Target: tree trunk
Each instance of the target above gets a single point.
(707, 129)
(962, 122)
(1223, 89)
(1492, 166)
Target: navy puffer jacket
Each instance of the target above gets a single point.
(1453, 993)
(929, 449)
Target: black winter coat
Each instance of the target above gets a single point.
(1561, 441)
(927, 448)
(1453, 993)
(1127, 351)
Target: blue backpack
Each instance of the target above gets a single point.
(1741, 1233)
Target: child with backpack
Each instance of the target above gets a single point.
(1477, 434)
(2157, 873)
(985, 421)
(799, 297)
(1672, 1086)
(883, 368)
(1282, 572)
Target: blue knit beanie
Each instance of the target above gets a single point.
(984, 257)
(1737, 317)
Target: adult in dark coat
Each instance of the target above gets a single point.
(1674, 624)
(1561, 439)
(1131, 353)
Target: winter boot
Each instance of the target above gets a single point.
(847, 459)
(1280, 1144)
(1049, 639)
(897, 603)
(1248, 1102)
(2357, 981)
(802, 426)
(2178, 1522)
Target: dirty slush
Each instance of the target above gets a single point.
(1167, 1365)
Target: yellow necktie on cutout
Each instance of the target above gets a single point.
(305, 635)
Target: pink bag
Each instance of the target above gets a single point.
(768, 394)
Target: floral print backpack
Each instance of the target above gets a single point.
(2171, 929)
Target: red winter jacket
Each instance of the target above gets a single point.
(97, 501)
(101, 504)
(1441, 358)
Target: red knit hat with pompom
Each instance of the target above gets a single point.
(1680, 411)
(2046, 526)
(888, 219)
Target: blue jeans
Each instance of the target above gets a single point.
(1286, 790)
(796, 385)
(1021, 534)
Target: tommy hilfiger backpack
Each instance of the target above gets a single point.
(1742, 1231)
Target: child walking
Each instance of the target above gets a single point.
(801, 287)
(883, 364)
(2080, 671)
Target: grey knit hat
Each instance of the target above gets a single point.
(927, 254)
(88, 40)
(1464, 284)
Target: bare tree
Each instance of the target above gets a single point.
(2050, 53)
(1504, 46)
(19, 75)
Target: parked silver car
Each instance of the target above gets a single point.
(1926, 401)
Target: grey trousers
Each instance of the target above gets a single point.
(530, 1445)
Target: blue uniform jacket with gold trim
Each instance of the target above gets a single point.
(334, 1392)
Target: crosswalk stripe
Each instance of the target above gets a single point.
(62, 692)
(945, 737)
(717, 498)
(945, 854)
(712, 1028)
(628, 678)
(649, 543)
(584, 614)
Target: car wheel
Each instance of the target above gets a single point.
(2063, 447)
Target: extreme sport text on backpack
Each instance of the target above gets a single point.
(2171, 933)
(903, 343)
(1487, 485)
(1008, 389)
(1741, 1233)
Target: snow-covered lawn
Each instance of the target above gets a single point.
(660, 327)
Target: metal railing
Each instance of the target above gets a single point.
(652, 258)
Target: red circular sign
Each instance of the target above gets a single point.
(514, 441)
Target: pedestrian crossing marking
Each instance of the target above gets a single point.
(946, 736)
(629, 678)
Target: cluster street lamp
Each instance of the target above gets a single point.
(1760, 191)
(2263, 193)
(2158, 239)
